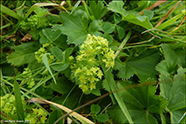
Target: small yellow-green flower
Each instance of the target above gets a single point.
(82, 79)
(43, 119)
(84, 88)
(37, 116)
(93, 69)
(100, 74)
(87, 71)
(77, 71)
(70, 57)
(79, 57)
(92, 86)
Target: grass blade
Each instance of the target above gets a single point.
(75, 6)
(112, 84)
(170, 21)
(110, 79)
(9, 12)
(18, 101)
(45, 61)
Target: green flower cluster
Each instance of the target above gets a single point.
(8, 105)
(86, 70)
(40, 53)
(37, 116)
(27, 73)
(35, 22)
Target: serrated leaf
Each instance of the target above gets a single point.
(141, 102)
(75, 26)
(126, 72)
(95, 109)
(97, 10)
(95, 25)
(57, 52)
(169, 64)
(130, 16)
(174, 90)
(106, 86)
(169, 54)
(143, 66)
(52, 36)
(23, 54)
(102, 118)
(162, 67)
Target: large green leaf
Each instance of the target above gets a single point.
(143, 66)
(130, 16)
(75, 26)
(141, 102)
(23, 53)
(175, 92)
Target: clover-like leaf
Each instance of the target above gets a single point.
(57, 52)
(95, 109)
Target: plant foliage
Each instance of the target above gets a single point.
(93, 61)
